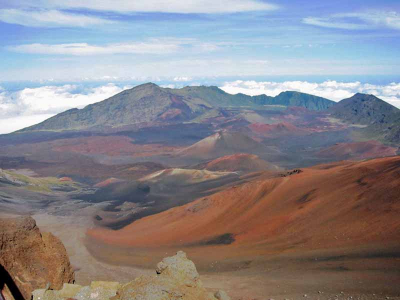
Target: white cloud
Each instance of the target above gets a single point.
(151, 46)
(182, 79)
(52, 99)
(169, 86)
(167, 6)
(357, 21)
(32, 105)
(12, 124)
(332, 23)
(62, 13)
(48, 18)
(333, 90)
(389, 19)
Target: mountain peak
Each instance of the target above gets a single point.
(364, 109)
(148, 102)
(365, 97)
(289, 93)
(146, 86)
(373, 100)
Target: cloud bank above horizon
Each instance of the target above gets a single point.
(29, 106)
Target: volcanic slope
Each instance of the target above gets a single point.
(241, 162)
(364, 109)
(127, 201)
(348, 204)
(381, 118)
(11, 178)
(149, 104)
(357, 151)
(224, 143)
(183, 176)
(277, 130)
(144, 103)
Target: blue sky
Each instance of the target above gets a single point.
(57, 54)
(71, 40)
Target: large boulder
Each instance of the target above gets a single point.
(30, 259)
(179, 268)
(176, 278)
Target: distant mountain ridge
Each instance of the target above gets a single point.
(216, 97)
(148, 103)
(291, 98)
(144, 103)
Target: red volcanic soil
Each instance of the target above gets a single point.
(277, 129)
(65, 179)
(171, 114)
(352, 204)
(222, 143)
(107, 182)
(238, 162)
(360, 150)
(110, 145)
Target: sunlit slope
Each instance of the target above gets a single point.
(346, 204)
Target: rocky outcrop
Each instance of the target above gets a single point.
(176, 278)
(30, 259)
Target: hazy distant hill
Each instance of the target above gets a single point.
(149, 103)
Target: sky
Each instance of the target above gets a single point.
(59, 54)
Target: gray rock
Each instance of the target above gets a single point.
(221, 295)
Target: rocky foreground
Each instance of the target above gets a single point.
(35, 264)
(176, 278)
(30, 259)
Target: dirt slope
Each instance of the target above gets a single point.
(339, 205)
(222, 143)
(276, 130)
(359, 150)
(238, 162)
(178, 176)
